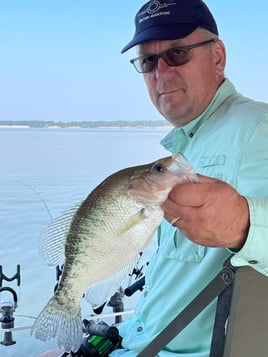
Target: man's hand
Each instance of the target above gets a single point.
(211, 213)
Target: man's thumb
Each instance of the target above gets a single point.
(207, 179)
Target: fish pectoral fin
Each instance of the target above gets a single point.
(132, 222)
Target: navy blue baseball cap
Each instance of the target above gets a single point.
(170, 20)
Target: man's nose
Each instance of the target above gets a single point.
(162, 66)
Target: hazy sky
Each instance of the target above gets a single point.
(60, 59)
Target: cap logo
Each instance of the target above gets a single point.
(155, 8)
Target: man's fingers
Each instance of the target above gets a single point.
(193, 194)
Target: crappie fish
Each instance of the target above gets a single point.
(105, 234)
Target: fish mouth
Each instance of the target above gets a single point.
(180, 165)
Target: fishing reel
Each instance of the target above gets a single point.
(100, 340)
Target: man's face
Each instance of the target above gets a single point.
(181, 93)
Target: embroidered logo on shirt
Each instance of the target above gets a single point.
(214, 160)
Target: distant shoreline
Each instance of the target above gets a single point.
(120, 124)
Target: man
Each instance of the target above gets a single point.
(224, 136)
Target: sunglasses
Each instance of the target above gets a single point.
(175, 56)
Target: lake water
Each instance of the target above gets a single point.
(44, 172)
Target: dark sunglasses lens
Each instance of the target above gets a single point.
(147, 63)
(176, 56)
(173, 57)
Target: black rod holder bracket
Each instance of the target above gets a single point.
(7, 308)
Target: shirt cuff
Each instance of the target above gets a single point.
(254, 253)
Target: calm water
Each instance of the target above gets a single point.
(43, 172)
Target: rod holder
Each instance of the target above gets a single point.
(8, 306)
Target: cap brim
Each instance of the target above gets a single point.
(161, 32)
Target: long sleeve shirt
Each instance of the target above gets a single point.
(229, 141)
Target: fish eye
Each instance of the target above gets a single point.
(158, 167)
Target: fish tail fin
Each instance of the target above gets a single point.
(53, 322)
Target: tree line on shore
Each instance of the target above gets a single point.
(85, 124)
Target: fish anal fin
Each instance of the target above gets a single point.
(102, 291)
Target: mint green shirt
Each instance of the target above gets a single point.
(229, 141)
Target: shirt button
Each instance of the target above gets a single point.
(252, 261)
(139, 329)
(145, 293)
(191, 135)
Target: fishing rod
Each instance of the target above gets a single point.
(99, 337)
(9, 295)
(40, 197)
(130, 290)
(87, 317)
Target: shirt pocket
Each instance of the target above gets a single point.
(213, 165)
(187, 251)
(174, 245)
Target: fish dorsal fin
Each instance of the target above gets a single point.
(102, 291)
(52, 241)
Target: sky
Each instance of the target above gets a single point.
(61, 61)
